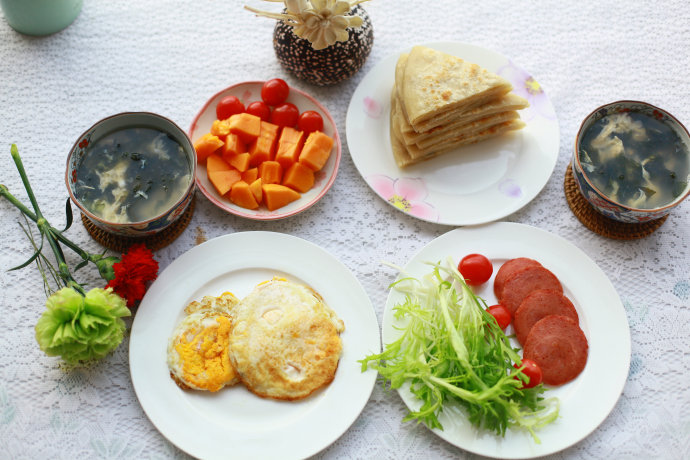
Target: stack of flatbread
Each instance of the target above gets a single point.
(440, 102)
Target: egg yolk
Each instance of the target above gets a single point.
(204, 355)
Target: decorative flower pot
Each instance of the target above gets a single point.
(330, 65)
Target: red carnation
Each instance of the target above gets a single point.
(136, 268)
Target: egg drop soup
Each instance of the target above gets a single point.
(635, 160)
(132, 175)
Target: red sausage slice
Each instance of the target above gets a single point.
(522, 283)
(537, 305)
(509, 268)
(558, 345)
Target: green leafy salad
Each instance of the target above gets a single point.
(451, 351)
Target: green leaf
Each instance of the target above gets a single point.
(68, 215)
(451, 351)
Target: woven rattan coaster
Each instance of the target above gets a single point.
(597, 222)
(154, 242)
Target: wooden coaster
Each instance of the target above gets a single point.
(597, 222)
(154, 242)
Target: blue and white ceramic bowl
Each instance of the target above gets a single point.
(118, 122)
(595, 197)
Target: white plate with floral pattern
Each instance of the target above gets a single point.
(476, 184)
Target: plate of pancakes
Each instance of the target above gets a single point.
(247, 345)
(587, 399)
(452, 133)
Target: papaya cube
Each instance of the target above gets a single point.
(233, 145)
(269, 129)
(276, 196)
(255, 187)
(215, 163)
(289, 146)
(245, 125)
(239, 161)
(316, 150)
(220, 128)
(242, 196)
(224, 180)
(206, 145)
(270, 172)
(263, 147)
(299, 177)
(250, 175)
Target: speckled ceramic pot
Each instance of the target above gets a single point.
(327, 66)
(128, 120)
(596, 198)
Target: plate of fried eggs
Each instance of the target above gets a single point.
(247, 345)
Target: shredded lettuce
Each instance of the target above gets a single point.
(452, 350)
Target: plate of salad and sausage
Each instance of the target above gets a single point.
(532, 422)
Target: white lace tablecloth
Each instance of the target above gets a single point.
(169, 56)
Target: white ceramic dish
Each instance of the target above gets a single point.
(477, 184)
(234, 421)
(585, 401)
(248, 92)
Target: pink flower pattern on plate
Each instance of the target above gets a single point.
(405, 193)
(526, 86)
(372, 107)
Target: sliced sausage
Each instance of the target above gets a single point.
(558, 345)
(508, 269)
(522, 283)
(537, 305)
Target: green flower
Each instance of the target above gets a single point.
(81, 328)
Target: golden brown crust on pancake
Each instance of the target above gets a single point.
(435, 82)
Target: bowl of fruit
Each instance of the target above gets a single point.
(265, 151)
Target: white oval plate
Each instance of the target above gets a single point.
(478, 183)
(585, 401)
(233, 421)
(248, 92)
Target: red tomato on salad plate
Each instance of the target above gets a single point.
(476, 269)
(532, 371)
(501, 315)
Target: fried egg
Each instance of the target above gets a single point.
(285, 341)
(198, 352)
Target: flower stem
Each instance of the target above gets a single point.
(43, 225)
(4, 192)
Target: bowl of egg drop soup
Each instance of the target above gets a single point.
(632, 161)
(132, 174)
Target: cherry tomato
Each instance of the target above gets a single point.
(310, 121)
(228, 106)
(285, 114)
(260, 109)
(476, 269)
(532, 371)
(501, 314)
(275, 91)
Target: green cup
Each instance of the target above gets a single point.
(40, 17)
